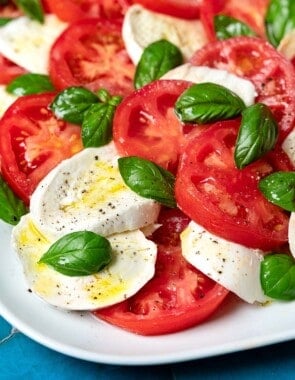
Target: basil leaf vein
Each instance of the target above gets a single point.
(157, 59)
(279, 188)
(257, 135)
(79, 253)
(148, 179)
(208, 102)
(227, 27)
(277, 276)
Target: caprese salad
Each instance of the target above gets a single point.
(147, 155)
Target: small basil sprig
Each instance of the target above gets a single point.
(98, 120)
(227, 27)
(78, 254)
(208, 102)
(32, 8)
(279, 188)
(30, 84)
(258, 134)
(11, 207)
(148, 179)
(157, 59)
(279, 19)
(277, 276)
(71, 103)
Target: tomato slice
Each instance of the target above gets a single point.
(74, 10)
(223, 199)
(145, 123)
(255, 59)
(251, 12)
(91, 53)
(188, 9)
(33, 141)
(9, 70)
(178, 296)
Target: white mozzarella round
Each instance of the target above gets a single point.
(132, 266)
(287, 45)
(27, 42)
(201, 74)
(87, 192)
(232, 265)
(141, 27)
(291, 233)
(288, 146)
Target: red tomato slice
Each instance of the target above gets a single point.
(251, 12)
(178, 296)
(223, 199)
(145, 123)
(91, 53)
(74, 10)
(188, 9)
(33, 141)
(256, 60)
(9, 70)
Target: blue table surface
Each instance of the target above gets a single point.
(22, 358)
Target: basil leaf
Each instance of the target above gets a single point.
(156, 60)
(277, 276)
(279, 188)
(97, 123)
(30, 84)
(279, 19)
(208, 102)
(257, 135)
(227, 27)
(148, 179)
(5, 20)
(71, 104)
(78, 254)
(11, 207)
(32, 8)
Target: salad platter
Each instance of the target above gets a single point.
(237, 326)
(146, 180)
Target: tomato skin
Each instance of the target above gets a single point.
(91, 53)
(9, 70)
(178, 297)
(255, 59)
(226, 200)
(33, 141)
(74, 10)
(188, 9)
(145, 124)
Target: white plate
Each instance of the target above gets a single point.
(237, 326)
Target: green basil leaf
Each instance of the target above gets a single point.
(227, 27)
(5, 20)
(32, 8)
(279, 188)
(257, 135)
(30, 84)
(78, 254)
(11, 207)
(97, 123)
(277, 276)
(156, 60)
(148, 179)
(208, 102)
(71, 104)
(279, 20)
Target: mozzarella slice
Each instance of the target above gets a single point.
(288, 146)
(234, 266)
(6, 99)
(201, 74)
(27, 43)
(87, 192)
(133, 265)
(141, 27)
